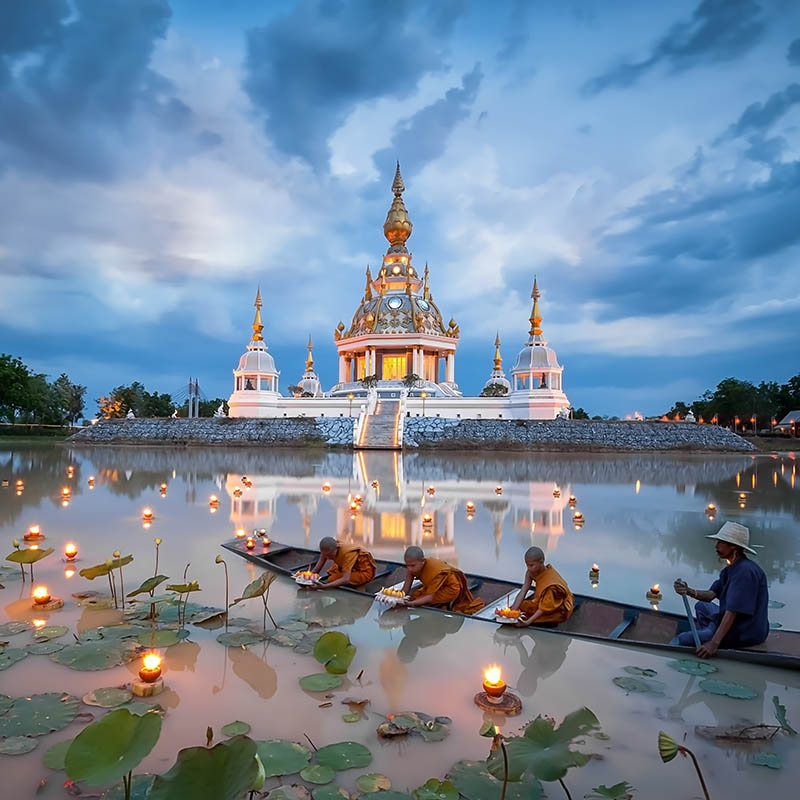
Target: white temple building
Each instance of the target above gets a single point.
(397, 357)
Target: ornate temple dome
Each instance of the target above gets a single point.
(497, 376)
(535, 355)
(256, 358)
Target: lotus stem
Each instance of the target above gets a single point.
(310, 742)
(111, 589)
(505, 769)
(155, 571)
(225, 565)
(121, 588)
(687, 751)
(564, 787)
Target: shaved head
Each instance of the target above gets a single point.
(414, 554)
(534, 554)
(415, 560)
(327, 544)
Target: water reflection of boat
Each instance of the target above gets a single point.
(593, 618)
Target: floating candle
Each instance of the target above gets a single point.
(572, 499)
(427, 519)
(326, 487)
(70, 550)
(147, 514)
(41, 595)
(498, 490)
(470, 506)
(556, 492)
(150, 671)
(213, 501)
(66, 491)
(34, 532)
(250, 543)
(493, 683)
(237, 492)
(431, 490)
(241, 533)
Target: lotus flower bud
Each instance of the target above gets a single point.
(157, 540)
(109, 562)
(16, 543)
(116, 554)
(218, 560)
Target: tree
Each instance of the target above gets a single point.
(579, 413)
(136, 398)
(71, 395)
(369, 381)
(208, 408)
(494, 390)
(14, 388)
(411, 380)
(295, 390)
(679, 410)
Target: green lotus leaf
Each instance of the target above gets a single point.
(473, 780)
(99, 602)
(432, 729)
(434, 789)
(640, 685)
(282, 757)
(140, 787)
(39, 714)
(488, 729)
(169, 611)
(103, 654)
(111, 747)
(10, 655)
(294, 625)
(146, 586)
(17, 745)
(223, 772)
(112, 632)
(100, 570)
(390, 795)
(258, 587)
(14, 627)
(141, 707)
(29, 556)
(45, 648)
(9, 574)
(642, 671)
(210, 619)
(373, 782)
(289, 792)
(183, 588)
(5, 703)
(330, 792)
(320, 682)
(619, 791)
(780, 715)
(162, 638)
(236, 728)
(773, 626)
(344, 755)
(771, 760)
(354, 717)
(239, 638)
(108, 697)
(317, 773)
(691, 666)
(50, 632)
(737, 690)
(53, 757)
(334, 650)
(776, 604)
(667, 747)
(544, 750)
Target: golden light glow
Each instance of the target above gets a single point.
(498, 490)
(34, 532)
(250, 543)
(70, 550)
(69, 573)
(638, 486)
(20, 483)
(240, 533)
(470, 517)
(147, 513)
(213, 500)
(41, 595)
(595, 568)
(151, 661)
(326, 487)
(66, 491)
(39, 623)
(655, 588)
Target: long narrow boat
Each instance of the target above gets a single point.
(593, 618)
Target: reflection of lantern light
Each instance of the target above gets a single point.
(374, 484)
(470, 517)
(66, 491)
(470, 506)
(68, 573)
(70, 550)
(34, 532)
(39, 623)
(498, 490)
(213, 501)
(250, 543)
(41, 595)
(710, 508)
(431, 490)
(163, 489)
(150, 670)
(241, 533)
(20, 484)
(237, 492)
(147, 514)
(638, 486)
(493, 683)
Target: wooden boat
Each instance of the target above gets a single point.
(593, 618)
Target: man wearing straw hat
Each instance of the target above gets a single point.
(740, 619)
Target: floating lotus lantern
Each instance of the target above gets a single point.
(556, 492)
(498, 490)
(578, 520)
(594, 574)
(427, 520)
(711, 509)
(654, 593)
(34, 532)
(163, 489)
(250, 543)
(70, 551)
(150, 671)
(493, 683)
(507, 613)
(265, 540)
(237, 492)
(374, 484)
(20, 484)
(90, 481)
(66, 491)
(41, 596)
(147, 514)
(326, 487)
(742, 496)
(573, 500)
(470, 506)
(241, 533)
(213, 503)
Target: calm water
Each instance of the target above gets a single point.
(645, 523)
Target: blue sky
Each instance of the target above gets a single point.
(159, 160)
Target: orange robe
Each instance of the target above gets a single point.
(448, 585)
(359, 563)
(552, 596)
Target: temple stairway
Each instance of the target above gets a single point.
(380, 429)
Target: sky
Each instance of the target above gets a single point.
(159, 159)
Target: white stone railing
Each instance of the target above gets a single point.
(401, 415)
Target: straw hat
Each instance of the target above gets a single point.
(734, 533)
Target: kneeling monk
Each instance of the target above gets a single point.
(552, 601)
(443, 585)
(352, 566)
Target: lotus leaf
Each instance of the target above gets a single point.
(317, 773)
(140, 786)
(373, 782)
(473, 780)
(776, 604)
(640, 685)
(29, 556)
(99, 602)
(354, 717)
(434, 789)
(210, 619)
(112, 632)
(282, 757)
(53, 757)
(169, 611)
(619, 791)
(17, 745)
(39, 714)
(162, 638)
(147, 586)
(45, 648)
(775, 625)
(344, 755)
(140, 707)
(289, 639)
(239, 638)
(289, 792)
(390, 795)
(14, 627)
(692, 667)
(320, 682)
(236, 728)
(771, 760)
(184, 588)
(223, 772)
(294, 625)
(257, 588)
(8, 574)
(50, 632)
(644, 672)
(780, 715)
(334, 650)
(89, 656)
(111, 747)
(5, 703)
(432, 729)
(10, 655)
(544, 749)
(99, 570)
(737, 690)
(330, 792)
(108, 697)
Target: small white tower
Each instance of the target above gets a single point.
(309, 384)
(498, 377)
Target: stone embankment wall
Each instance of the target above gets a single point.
(567, 435)
(277, 432)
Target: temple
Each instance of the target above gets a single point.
(398, 354)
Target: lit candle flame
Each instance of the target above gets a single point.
(70, 550)
(151, 661)
(595, 568)
(147, 513)
(41, 594)
(493, 675)
(240, 533)
(655, 588)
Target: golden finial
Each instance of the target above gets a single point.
(257, 324)
(309, 359)
(536, 314)
(498, 359)
(397, 227)
(384, 285)
(368, 289)
(426, 290)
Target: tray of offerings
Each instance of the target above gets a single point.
(390, 597)
(506, 616)
(306, 578)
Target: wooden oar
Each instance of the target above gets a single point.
(691, 621)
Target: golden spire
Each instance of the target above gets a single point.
(498, 359)
(426, 290)
(257, 324)
(536, 315)
(368, 289)
(309, 359)
(384, 285)
(397, 227)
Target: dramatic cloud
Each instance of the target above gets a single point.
(719, 30)
(761, 116)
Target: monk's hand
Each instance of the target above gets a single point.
(523, 622)
(707, 650)
(681, 587)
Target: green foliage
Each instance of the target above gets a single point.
(780, 715)
(619, 791)
(282, 757)
(317, 773)
(692, 667)
(434, 789)
(10, 656)
(53, 757)
(330, 792)
(494, 390)
(737, 690)
(579, 413)
(14, 627)
(667, 747)
(239, 638)
(320, 682)
(50, 632)
(101, 654)
(640, 685)
(237, 728)
(147, 586)
(473, 780)
(111, 747)
(29, 556)
(544, 749)
(373, 782)
(257, 588)
(771, 760)
(17, 745)
(344, 755)
(100, 570)
(39, 714)
(136, 398)
(108, 697)
(334, 650)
